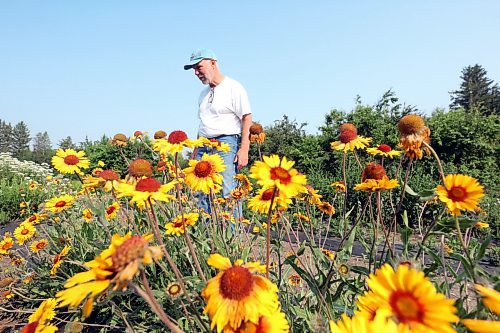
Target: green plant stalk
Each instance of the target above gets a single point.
(268, 233)
(147, 295)
(438, 160)
(380, 221)
(466, 250)
(186, 233)
(344, 176)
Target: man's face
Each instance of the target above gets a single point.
(205, 70)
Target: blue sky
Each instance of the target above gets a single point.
(88, 68)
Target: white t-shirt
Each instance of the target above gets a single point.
(222, 108)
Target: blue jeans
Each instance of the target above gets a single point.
(228, 181)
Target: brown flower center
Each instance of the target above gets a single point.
(160, 134)
(40, 245)
(148, 185)
(385, 148)
(236, 283)
(120, 137)
(140, 168)
(30, 328)
(60, 204)
(130, 250)
(109, 175)
(411, 124)
(177, 137)
(6, 246)
(281, 174)
(110, 210)
(268, 194)
(32, 218)
(25, 232)
(256, 129)
(348, 127)
(457, 193)
(373, 171)
(71, 160)
(174, 289)
(203, 169)
(347, 136)
(406, 307)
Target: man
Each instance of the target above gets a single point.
(225, 115)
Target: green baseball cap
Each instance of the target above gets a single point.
(198, 56)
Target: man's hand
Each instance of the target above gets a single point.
(241, 158)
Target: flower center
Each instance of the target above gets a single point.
(406, 306)
(256, 129)
(177, 137)
(457, 193)
(25, 232)
(373, 171)
(385, 148)
(140, 167)
(281, 174)
(174, 289)
(202, 169)
(6, 246)
(411, 124)
(32, 218)
(268, 194)
(348, 127)
(148, 185)
(110, 210)
(236, 283)
(60, 204)
(347, 136)
(30, 328)
(40, 245)
(130, 250)
(71, 160)
(109, 175)
(120, 137)
(160, 134)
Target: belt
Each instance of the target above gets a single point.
(223, 135)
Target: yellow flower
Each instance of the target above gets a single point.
(294, 280)
(213, 144)
(383, 150)
(23, 204)
(412, 133)
(339, 186)
(60, 203)
(57, 260)
(35, 218)
(409, 298)
(311, 195)
(261, 202)
(302, 217)
(112, 211)
(349, 140)
(175, 143)
(328, 253)
(6, 243)
(146, 190)
(39, 322)
(38, 246)
(275, 323)
(107, 179)
(178, 225)
(118, 265)
(274, 171)
(481, 225)
(243, 182)
(460, 192)
(326, 208)
(101, 164)
(236, 295)
(87, 215)
(204, 175)
(24, 232)
(361, 324)
(70, 161)
(374, 178)
(492, 301)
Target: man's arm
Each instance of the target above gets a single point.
(242, 153)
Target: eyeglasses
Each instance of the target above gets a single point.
(211, 96)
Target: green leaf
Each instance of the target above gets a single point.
(410, 191)
(482, 249)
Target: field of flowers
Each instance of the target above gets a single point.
(111, 251)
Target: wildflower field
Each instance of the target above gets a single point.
(117, 243)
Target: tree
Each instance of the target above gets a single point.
(42, 148)
(5, 137)
(67, 143)
(20, 140)
(476, 91)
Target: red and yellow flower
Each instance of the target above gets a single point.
(460, 192)
(180, 222)
(39, 245)
(383, 150)
(60, 203)
(69, 161)
(374, 178)
(146, 190)
(412, 134)
(175, 143)
(204, 175)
